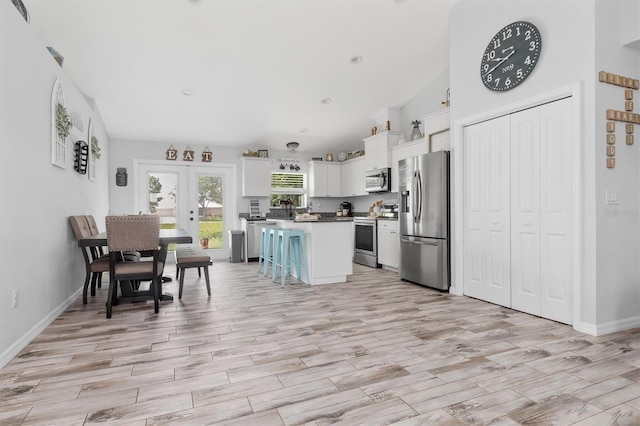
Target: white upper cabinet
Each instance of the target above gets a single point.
(436, 131)
(377, 149)
(256, 177)
(325, 179)
(402, 151)
(353, 177)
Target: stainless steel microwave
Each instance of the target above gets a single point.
(378, 180)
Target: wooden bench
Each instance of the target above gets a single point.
(192, 257)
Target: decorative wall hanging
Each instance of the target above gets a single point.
(60, 126)
(81, 157)
(56, 55)
(187, 155)
(121, 176)
(23, 10)
(94, 151)
(207, 155)
(172, 153)
(628, 117)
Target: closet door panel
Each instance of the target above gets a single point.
(486, 211)
(525, 211)
(556, 210)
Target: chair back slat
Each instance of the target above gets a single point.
(93, 226)
(80, 226)
(125, 233)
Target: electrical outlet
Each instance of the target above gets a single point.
(611, 197)
(15, 299)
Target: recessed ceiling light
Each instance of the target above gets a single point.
(187, 92)
(399, 1)
(304, 130)
(355, 60)
(326, 101)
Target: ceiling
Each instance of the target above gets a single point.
(257, 70)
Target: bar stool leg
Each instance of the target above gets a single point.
(285, 266)
(277, 256)
(261, 253)
(269, 252)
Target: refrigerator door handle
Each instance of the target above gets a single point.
(419, 242)
(418, 196)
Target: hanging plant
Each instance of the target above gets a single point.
(95, 147)
(63, 122)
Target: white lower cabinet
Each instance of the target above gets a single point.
(517, 211)
(388, 243)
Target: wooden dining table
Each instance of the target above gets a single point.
(128, 291)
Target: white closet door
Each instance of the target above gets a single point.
(556, 209)
(486, 211)
(525, 211)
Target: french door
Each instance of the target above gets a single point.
(196, 198)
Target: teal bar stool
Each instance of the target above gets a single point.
(289, 253)
(270, 240)
(265, 252)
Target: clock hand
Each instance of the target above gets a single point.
(504, 50)
(500, 63)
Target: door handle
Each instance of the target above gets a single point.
(421, 243)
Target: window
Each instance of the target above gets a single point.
(288, 186)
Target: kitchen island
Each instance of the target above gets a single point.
(329, 248)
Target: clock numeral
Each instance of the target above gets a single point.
(518, 31)
(497, 81)
(507, 82)
(527, 34)
(532, 46)
(506, 34)
(491, 55)
(496, 43)
(527, 61)
(485, 67)
(519, 73)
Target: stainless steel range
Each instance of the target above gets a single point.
(366, 241)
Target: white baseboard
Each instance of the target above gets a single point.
(20, 344)
(609, 327)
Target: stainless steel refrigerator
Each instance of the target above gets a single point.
(424, 219)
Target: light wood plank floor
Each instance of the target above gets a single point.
(373, 351)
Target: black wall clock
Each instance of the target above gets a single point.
(510, 56)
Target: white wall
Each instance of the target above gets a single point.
(40, 258)
(618, 226)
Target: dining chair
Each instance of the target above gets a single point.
(130, 256)
(94, 266)
(133, 233)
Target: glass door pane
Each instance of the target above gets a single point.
(162, 192)
(210, 211)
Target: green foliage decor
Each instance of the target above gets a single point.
(63, 122)
(95, 147)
